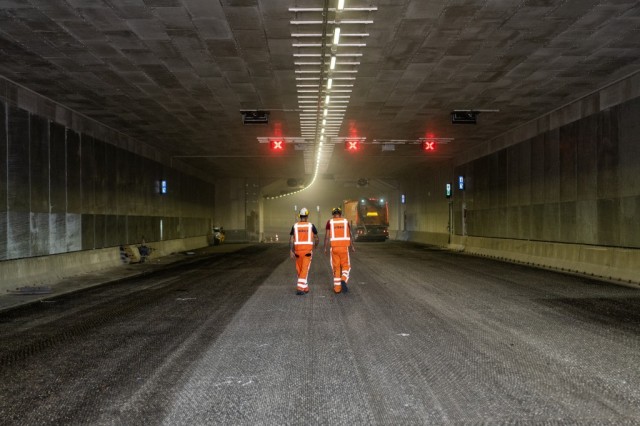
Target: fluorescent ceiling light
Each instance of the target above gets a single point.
(329, 83)
(333, 62)
(336, 35)
(319, 9)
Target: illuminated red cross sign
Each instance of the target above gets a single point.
(429, 145)
(277, 145)
(353, 146)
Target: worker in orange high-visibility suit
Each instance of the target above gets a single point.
(303, 239)
(338, 234)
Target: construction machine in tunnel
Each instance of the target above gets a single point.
(369, 218)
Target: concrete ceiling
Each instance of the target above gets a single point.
(175, 74)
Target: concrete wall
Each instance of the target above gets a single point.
(46, 270)
(64, 190)
(578, 183)
(562, 191)
(238, 208)
(425, 214)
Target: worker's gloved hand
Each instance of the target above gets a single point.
(292, 255)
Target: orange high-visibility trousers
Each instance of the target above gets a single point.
(303, 264)
(340, 264)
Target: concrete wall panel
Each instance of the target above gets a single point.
(3, 235)
(587, 156)
(481, 182)
(74, 173)
(502, 224)
(609, 221)
(537, 170)
(512, 172)
(568, 162)
(524, 173)
(513, 219)
(3, 181)
(57, 233)
(57, 170)
(608, 155)
(551, 166)
(74, 231)
(524, 231)
(39, 164)
(88, 231)
(102, 173)
(551, 222)
(587, 219)
(39, 233)
(88, 173)
(18, 162)
(629, 148)
(568, 221)
(500, 179)
(629, 227)
(18, 234)
(536, 222)
(100, 230)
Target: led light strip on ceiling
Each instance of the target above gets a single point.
(326, 40)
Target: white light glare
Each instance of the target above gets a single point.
(336, 35)
(329, 83)
(340, 4)
(333, 62)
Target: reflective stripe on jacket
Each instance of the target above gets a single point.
(340, 235)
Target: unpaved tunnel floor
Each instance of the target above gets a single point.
(423, 337)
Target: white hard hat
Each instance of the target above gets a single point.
(304, 212)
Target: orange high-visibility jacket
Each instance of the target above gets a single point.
(340, 234)
(303, 237)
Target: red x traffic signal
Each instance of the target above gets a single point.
(352, 145)
(429, 145)
(276, 145)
